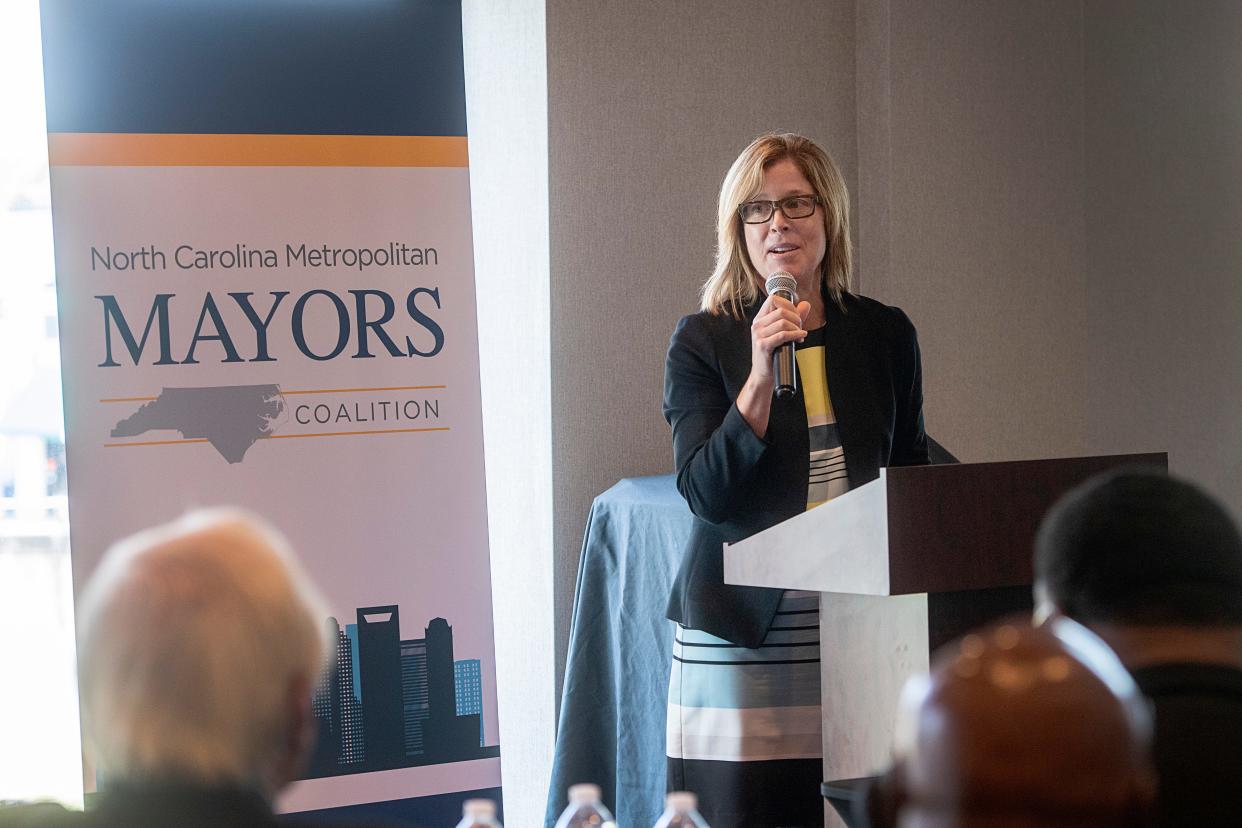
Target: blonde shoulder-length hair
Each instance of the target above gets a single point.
(734, 283)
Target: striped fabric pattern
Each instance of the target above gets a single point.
(734, 704)
(827, 459)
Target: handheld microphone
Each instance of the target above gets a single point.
(784, 364)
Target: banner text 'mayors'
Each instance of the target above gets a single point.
(364, 324)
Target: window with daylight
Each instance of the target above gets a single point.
(40, 753)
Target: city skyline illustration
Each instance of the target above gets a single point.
(390, 703)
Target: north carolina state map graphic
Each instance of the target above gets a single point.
(230, 417)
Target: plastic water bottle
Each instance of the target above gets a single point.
(478, 813)
(585, 810)
(680, 811)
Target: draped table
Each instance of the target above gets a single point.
(611, 729)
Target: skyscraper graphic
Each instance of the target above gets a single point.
(328, 741)
(468, 681)
(414, 695)
(351, 630)
(441, 686)
(389, 703)
(352, 747)
(379, 660)
(337, 710)
(323, 697)
(446, 735)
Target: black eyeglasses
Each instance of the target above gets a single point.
(757, 212)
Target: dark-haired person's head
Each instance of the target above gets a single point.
(1153, 565)
(1140, 548)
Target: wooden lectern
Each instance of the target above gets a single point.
(905, 563)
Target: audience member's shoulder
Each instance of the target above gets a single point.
(39, 815)
(1190, 680)
(353, 820)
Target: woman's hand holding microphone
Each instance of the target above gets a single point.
(778, 321)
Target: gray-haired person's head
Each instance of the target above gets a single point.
(199, 643)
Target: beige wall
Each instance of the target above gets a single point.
(980, 162)
(1164, 234)
(1054, 192)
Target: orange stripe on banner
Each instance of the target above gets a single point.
(108, 149)
(353, 433)
(307, 391)
(365, 390)
(284, 436)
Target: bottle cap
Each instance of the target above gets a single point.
(681, 801)
(583, 793)
(478, 808)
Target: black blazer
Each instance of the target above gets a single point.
(737, 484)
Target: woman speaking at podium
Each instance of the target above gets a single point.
(744, 698)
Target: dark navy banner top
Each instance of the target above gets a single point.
(282, 67)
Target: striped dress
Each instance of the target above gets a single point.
(744, 724)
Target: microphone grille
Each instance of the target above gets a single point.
(780, 280)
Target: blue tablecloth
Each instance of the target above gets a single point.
(611, 729)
